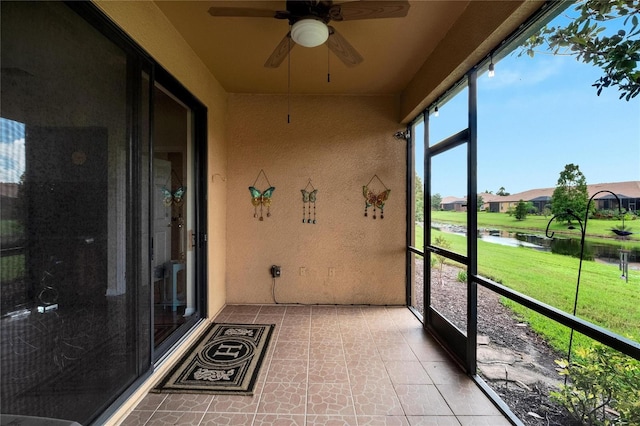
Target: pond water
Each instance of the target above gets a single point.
(604, 252)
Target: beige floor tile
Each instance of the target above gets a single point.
(376, 399)
(429, 352)
(331, 399)
(433, 421)
(239, 318)
(407, 373)
(269, 319)
(171, 418)
(321, 371)
(483, 421)
(362, 372)
(272, 310)
(296, 321)
(336, 365)
(185, 402)
(287, 370)
(396, 352)
(468, 400)
(422, 400)
(283, 398)
(226, 419)
(322, 420)
(298, 310)
(382, 421)
(293, 334)
(137, 418)
(278, 420)
(442, 372)
(291, 350)
(151, 401)
(326, 352)
(236, 403)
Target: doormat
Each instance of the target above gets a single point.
(225, 360)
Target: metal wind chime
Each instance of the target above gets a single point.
(309, 196)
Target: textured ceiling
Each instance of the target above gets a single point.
(235, 49)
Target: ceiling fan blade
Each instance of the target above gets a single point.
(242, 12)
(343, 49)
(280, 52)
(369, 10)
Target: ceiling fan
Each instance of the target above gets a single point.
(309, 24)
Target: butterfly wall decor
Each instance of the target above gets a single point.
(175, 198)
(308, 198)
(261, 198)
(376, 200)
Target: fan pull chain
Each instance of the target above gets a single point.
(289, 81)
(328, 64)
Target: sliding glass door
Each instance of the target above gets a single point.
(101, 223)
(68, 328)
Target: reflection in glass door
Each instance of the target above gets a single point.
(67, 328)
(173, 213)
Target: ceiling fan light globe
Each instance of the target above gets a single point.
(309, 32)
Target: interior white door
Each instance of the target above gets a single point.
(161, 217)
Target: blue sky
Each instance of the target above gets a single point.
(12, 160)
(534, 117)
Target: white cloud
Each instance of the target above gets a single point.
(12, 160)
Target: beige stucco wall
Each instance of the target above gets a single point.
(144, 22)
(339, 142)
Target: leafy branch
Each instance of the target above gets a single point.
(616, 54)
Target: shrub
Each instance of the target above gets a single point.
(603, 387)
(522, 209)
(462, 276)
(445, 244)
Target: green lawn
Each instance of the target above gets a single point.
(604, 299)
(11, 268)
(10, 228)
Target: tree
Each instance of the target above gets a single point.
(436, 200)
(419, 200)
(584, 37)
(440, 260)
(522, 209)
(501, 192)
(480, 203)
(570, 195)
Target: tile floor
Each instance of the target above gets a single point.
(336, 365)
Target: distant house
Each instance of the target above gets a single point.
(454, 204)
(9, 200)
(460, 204)
(539, 197)
(627, 192)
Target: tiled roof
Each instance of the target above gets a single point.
(628, 189)
(8, 189)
